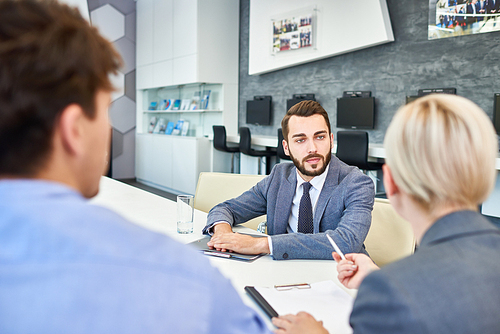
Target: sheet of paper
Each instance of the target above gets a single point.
(324, 300)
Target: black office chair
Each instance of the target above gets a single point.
(246, 148)
(220, 143)
(279, 150)
(352, 148)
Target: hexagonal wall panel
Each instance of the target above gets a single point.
(117, 143)
(124, 6)
(93, 4)
(118, 81)
(122, 114)
(127, 50)
(130, 24)
(130, 85)
(109, 21)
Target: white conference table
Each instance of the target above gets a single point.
(159, 214)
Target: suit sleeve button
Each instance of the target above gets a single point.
(285, 255)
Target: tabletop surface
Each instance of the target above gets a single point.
(159, 214)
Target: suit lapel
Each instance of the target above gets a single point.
(284, 202)
(331, 182)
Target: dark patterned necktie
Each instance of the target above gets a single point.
(305, 224)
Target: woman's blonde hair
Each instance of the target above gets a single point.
(442, 149)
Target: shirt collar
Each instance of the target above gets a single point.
(317, 181)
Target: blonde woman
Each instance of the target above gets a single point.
(440, 166)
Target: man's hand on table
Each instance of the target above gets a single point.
(225, 240)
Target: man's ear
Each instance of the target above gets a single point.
(70, 129)
(285, 147)
(390, 186)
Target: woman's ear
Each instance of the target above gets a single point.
(390, 186)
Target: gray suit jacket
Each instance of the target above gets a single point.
(343, 211)
(450, 285)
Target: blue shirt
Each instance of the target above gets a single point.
(68, 266)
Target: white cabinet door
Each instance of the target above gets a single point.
(163, 30)
(162, 73)
(186, 69)
(143, 156)
(172, 162)
(144, 39)
(154, 159)
(144, 76)
(185, 27)
(184, 164)
(163, 160)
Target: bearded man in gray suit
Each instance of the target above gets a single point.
(316, 195)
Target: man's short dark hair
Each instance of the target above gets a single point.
(50, 57)
(304, 109)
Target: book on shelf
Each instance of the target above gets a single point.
(195, 101)
(170, 128)
(162, 126)
(152, 124)
(153, 105)
(177, 104)
(157, 126)
(193, 105)
(204, 100)
(185, 104)
(178, 127)
(169, 104)
(185, 128)
(163, 105)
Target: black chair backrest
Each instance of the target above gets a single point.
(245, 141)
(219, 137)
(279, 150)
(352, 148)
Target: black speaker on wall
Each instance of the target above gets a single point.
(427, 91)
(411, 98)
(259, 110)
(296, 98)
(356, 113)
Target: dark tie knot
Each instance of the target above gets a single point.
(306, 186)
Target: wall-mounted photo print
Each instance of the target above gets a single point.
(450, 18)
(293, 33)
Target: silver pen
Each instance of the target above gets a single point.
(337, 249)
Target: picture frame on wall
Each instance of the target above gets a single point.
(294, 31)
(452, 18)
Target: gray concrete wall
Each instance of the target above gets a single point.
(391, 71)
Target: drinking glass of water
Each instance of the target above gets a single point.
(185, 212)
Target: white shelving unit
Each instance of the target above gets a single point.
(200, 120)
(183, 47)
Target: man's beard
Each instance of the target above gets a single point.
(302, 167)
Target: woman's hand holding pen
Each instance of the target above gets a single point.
(353, 269)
